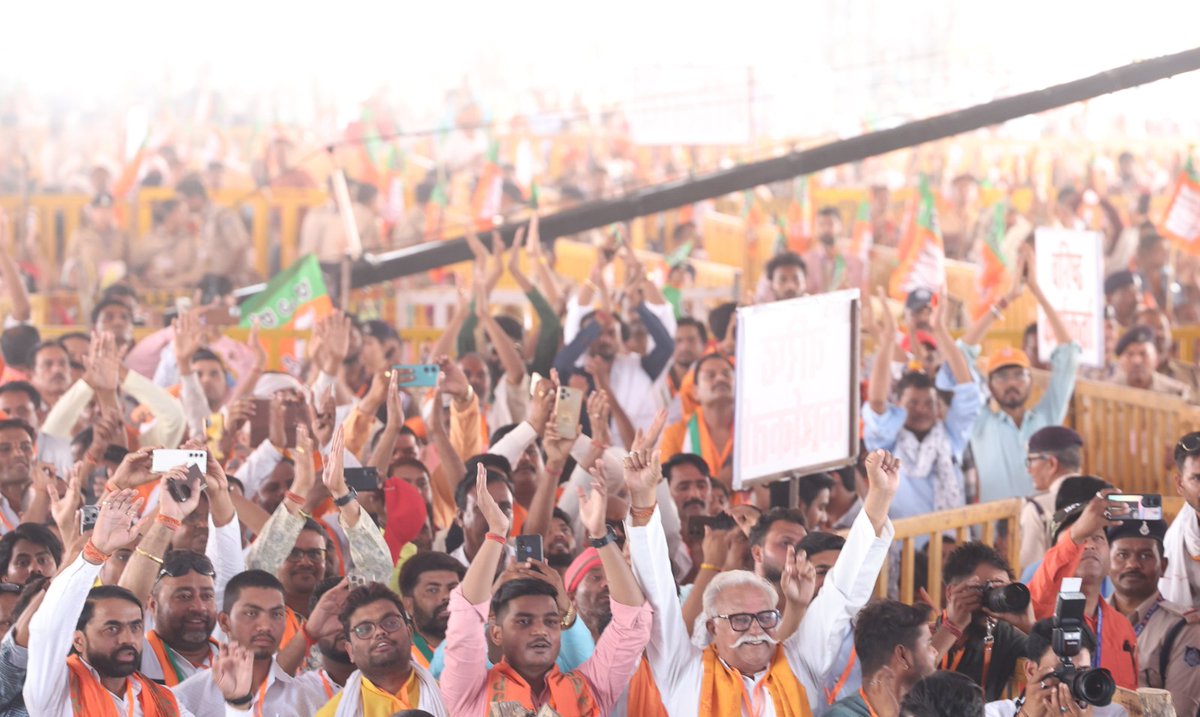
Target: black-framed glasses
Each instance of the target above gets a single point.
(315, 555)
(178, 563)
(741, 621)
(388, 624)
(1034, 458)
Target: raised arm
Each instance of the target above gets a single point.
(381, 456)
(660, 356)
(941, 329)
(446, 342)
(452, 469)
(142, 570)
(477, 583)
(13, 285)
(278, 536)
(541, 507)
(881, 373)
(1061, 335)
(514, 367)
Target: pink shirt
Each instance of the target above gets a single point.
(608, 671)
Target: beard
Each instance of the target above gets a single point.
(560, 559)
(433, 625)
(189, 635)
(772, 574)
(333, 653)
(110, 666)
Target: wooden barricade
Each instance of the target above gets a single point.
(932, 525)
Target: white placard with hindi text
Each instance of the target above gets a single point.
(797, 387)
(1070, 272)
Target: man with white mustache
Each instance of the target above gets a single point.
(740, 616)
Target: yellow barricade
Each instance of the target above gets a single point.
(932, 526)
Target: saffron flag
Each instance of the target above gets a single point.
(1181, 220)
(921, 251)
(294, 299)
(995, 278)
(485, 200)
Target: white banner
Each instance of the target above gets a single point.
(1070, 272)
(797, 387)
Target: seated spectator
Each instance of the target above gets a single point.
(892, 641)
(1138, 360)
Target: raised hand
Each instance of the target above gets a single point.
(395, 406)
(883, 472)
(103, 372)
(538, 570)
(598, 412)
(963, 600)
(542, 404)
(593, 504)
(497, 521)
(237, 413)
(886, 325)
(323, 621)
(116, 525)
(134, 469)
(256, 347)
(497, 267)
(558, 449)
(333, 333)
(514, 256)
(334, 477)
(452, 381)
(187, 336)
(799, 580)
(166, 503)
(649, 438)
(233, 671)
(643, 473)
(1094, 518)
(737, 546)
(276, 430)
(65, 507)
(715, 545)
(305, 476)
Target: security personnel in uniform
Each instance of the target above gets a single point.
(1168, 643)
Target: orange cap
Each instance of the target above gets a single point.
(1007, 356)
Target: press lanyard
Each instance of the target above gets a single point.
(1099, 633)
(863, 696)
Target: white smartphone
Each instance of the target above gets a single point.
(164, 459)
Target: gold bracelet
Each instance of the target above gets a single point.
(145, 554)
(709, 566)
(569, 619)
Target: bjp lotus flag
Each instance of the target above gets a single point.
(1181, 220)
(922, 253)
(294, 299)
(995, 277)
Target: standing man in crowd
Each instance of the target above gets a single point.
(1055, 452)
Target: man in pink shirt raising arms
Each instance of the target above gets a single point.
(528, 616)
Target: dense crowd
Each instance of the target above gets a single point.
(546, 522)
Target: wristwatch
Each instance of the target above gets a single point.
(609, 537)
(345, 500)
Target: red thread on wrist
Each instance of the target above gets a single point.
(92, 554)
(298, 500)
(950, 626)
(497, 537)
(171, 523)
(309, 640)
(643, 513)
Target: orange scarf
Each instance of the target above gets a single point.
(722, 691)
(171, 676)
(90, 699)
(644, 697)
(294, 623)
(570, 695)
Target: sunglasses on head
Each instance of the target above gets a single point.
(181, 562)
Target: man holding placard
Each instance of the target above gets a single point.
(1002, 432)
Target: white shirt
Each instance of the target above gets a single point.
(11, 519)
(285, 696)
(51, 631)
(676, 662)
(154, 670)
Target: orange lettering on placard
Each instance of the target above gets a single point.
(1068, 269)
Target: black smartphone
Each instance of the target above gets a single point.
(529, 547)
(721, 521)
(87, 517)
(181, 490)
(362, 479)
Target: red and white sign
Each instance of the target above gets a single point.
(1181, 221)
(1070, 272)
(797, 387)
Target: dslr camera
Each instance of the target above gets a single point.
(1011, 598)
(1089, 686)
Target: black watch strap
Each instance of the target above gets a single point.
(345, 500)
(609, 537)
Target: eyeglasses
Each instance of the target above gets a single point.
(389, 624)
(178, 563)
(315, 555)
(1034, 458)
(741, 621)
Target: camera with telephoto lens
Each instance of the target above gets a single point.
(1011, 598)
(1093, 686)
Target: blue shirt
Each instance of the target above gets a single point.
(1000, 446)
(915, 495)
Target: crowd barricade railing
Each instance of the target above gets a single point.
(1187, 338)
(980, 519)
